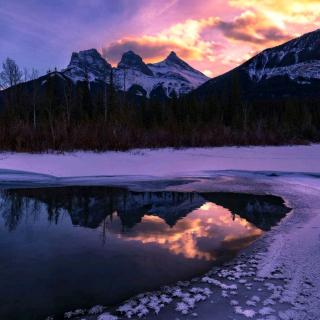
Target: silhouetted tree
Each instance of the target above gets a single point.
(11, 74)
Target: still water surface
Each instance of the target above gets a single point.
(71, 247)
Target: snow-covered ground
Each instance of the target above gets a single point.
(166, 162)
(275, 278)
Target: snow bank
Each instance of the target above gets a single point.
(167, 162)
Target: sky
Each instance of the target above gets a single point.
(213, 36)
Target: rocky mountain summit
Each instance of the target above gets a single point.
(171, 77)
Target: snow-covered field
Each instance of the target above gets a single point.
(167, 162)
(276, 278)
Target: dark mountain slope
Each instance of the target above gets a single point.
(291, 69)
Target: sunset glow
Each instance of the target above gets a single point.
(210, 223)
(213, 36)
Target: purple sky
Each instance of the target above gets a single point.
(212, 35)
(44, 33)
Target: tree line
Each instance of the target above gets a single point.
(54, 113)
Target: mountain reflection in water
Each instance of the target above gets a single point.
(90, 239)
(199, 234)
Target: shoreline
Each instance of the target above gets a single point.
(261, 281)
(283, 269)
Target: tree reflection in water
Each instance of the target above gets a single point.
(92, 207)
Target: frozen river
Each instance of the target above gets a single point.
(276, 277)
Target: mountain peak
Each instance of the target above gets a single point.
(131, 60)
(87, 57)
(173, 74)
(131, 53)
(88, 63)
(92, 51)
(173, 58)
(172, 55)
(175, 61)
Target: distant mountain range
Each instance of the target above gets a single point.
(291, 69)
(172, 76)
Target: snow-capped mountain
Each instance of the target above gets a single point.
(298, 58)
(132, 61)
(177, 74)
(170, 77)
(292, 68)
(88, 65)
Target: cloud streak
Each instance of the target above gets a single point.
(193, 39)
(281, 11)
(253, 28)
(184, 38)
(216, 43)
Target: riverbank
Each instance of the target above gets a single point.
(166, 162)
(275, 278)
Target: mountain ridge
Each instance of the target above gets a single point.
(172, 76)
(292, 68)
